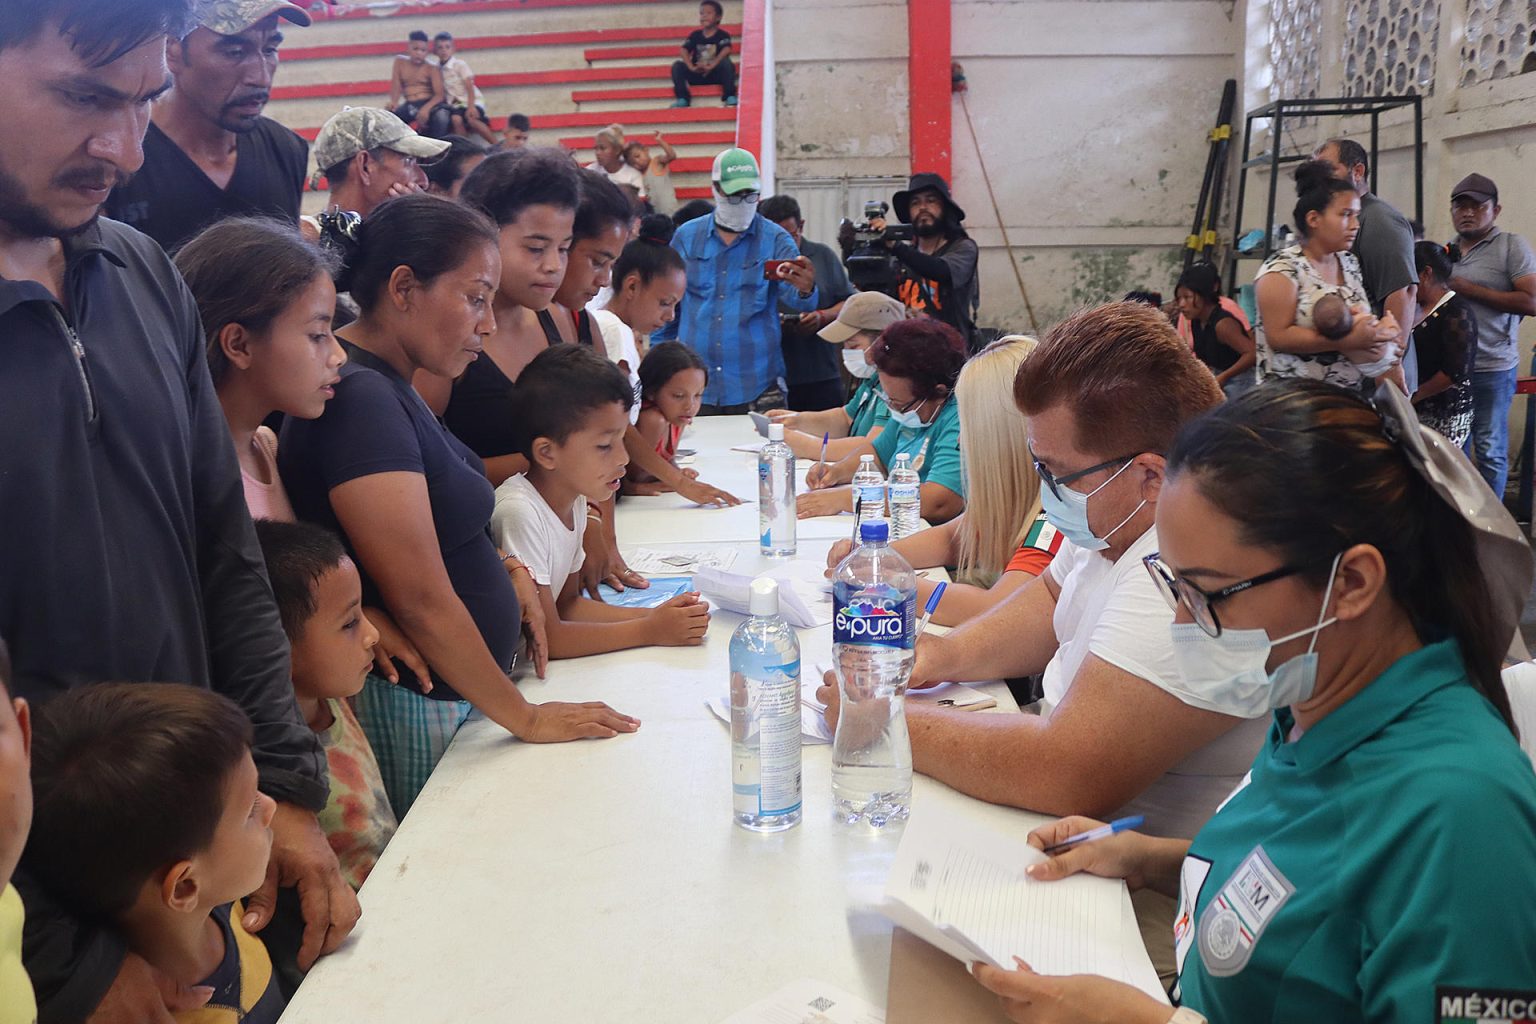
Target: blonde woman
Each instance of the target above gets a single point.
(1001, 541)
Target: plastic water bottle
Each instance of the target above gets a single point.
(776, 495)
(874, 593)
(765, 716)
(868, 493)
(906, 501)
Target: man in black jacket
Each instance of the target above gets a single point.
(126, 550)
(938, 274)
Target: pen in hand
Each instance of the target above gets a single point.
(1102, 832)
(824, 439)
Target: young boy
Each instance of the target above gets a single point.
(146, 815)
(320, 600)
(572, 410)
(659, 187)
(17, 1004)
(706, 58)
(516, 135)
(466, 104)
(419, 83)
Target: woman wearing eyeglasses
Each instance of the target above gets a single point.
(1346, 570)
(918, 362)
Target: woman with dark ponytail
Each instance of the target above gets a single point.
(1347, 570)
(1289, 284)
(412, 501)
(1446, 344)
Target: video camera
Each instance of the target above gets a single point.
(871, 267)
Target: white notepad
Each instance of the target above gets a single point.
(961, 886)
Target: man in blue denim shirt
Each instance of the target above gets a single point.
(730, 313)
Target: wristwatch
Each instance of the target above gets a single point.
(1184, 1015)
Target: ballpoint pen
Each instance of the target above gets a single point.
(928, 609)
(1102, 832)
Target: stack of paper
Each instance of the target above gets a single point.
(961, 886)
(804, 603)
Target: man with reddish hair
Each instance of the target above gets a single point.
(1104, 393)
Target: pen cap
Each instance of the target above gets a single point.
(775, 431)
(764, 599)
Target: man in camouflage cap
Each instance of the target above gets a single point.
(209, 153)
(369, 155)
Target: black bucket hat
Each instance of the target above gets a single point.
(901, 202)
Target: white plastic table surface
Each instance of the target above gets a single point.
(646, 522)
(604, 880)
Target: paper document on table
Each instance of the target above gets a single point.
(753, 448)
(961, 886)
(813, 727)
(686, 561)
(661, 590)
(804, 603)
(809, 1002)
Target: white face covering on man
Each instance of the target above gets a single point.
(733, 215)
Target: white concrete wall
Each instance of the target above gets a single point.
(1091, 118)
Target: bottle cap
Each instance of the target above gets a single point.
(874, 530)
(775, 431)
(765, 597)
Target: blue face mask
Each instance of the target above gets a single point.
(1068, 513)
(909, 419)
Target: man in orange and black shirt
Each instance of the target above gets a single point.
(938, 273)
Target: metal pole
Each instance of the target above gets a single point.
(1418, 159)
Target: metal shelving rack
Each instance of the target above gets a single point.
(1278, 113)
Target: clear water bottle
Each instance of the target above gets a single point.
(765, 716)
(874, 593)
(776, 495)
(905, 497)
(868, 493)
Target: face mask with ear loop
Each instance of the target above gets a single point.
(1228, 673)
(1068, 512)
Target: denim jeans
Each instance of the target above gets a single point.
(1492, 393)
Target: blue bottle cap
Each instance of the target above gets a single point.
(874, 530)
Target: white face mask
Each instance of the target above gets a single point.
(735, 217)
(1228, 673)
(855, 363)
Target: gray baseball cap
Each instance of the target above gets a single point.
(865, 311)
(231, 17)
(358, 129)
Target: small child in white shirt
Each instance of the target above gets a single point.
(572, 410)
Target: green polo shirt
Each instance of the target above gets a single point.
(867, 408)
(934, 447)
(1380, 868)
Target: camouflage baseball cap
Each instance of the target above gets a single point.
(358, 129)
(231, 17)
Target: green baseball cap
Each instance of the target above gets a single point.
(358, 129)
(736, 171)
(231, 17)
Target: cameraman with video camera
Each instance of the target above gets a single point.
(937, 275)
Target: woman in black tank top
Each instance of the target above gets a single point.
(1220, 340)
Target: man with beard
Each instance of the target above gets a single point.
(938, 274)
(209, 153)
(126, 550)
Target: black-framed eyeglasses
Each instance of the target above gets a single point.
(1201, 604)
(1056, 483)
(905, 407)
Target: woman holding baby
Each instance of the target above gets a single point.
(1315, 319)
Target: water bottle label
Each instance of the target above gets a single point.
(766, 773)
(904, 492)
(879, 615)
(872, 494)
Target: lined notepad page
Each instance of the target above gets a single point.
(968, 882)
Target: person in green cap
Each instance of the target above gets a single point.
(741, 268)
(1347, 569)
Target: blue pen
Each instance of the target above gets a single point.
(1102, 832)
(824, 439)
(928, 609)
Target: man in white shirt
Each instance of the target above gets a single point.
(1104, 393)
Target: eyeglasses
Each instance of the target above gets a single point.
(741, 198)
(1201, 604)
(1056, 483)
(904, 407)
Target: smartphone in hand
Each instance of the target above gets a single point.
(771, 269)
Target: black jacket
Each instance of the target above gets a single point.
(126, 549)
